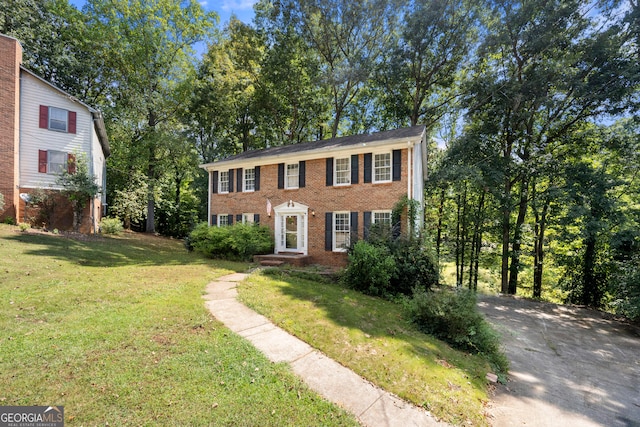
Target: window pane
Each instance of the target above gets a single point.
(382, 217)
(382, 167)
(57, 161)
(292, 176)
(341, 231)
(343, 171)
(223, 220)
(249, 179)
(224, 182)
(58, 119)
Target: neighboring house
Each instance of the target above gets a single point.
(42, 130)
(316, 196)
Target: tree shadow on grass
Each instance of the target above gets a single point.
(99, 251)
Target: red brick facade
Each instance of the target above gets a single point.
(10, 60)
(356, 198)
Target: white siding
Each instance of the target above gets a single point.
(34, 93)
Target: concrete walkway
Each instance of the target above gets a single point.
(371, 405)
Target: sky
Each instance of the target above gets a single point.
(243, 9)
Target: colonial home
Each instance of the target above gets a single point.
(42, 130)
(316, 196)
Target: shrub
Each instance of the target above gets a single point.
(369, 269)
(415, 266)
(24, 226)
(452, 316)
(111, 226)
(236, 242)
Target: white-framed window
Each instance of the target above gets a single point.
(382, 167)
(223, 220)
(56, 161)
(292, 173)
(249, 179)
(341, 231)
(223, 182)
(342, 171)
(381, 217)
(248, 218)
(58, 119)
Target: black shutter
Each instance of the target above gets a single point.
(280, 175)
(230, 219)
(367, 167)
(257, 185)
(215, 182)
(238, 217)
(328, 231)
(366, 217)
(240, 187)
(354, 169)
(256, 218)
(329, 171)
(231, 180)
(302, 180)
(214, 220)
(354, 226)
(397, 165)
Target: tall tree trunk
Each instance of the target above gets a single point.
(440, 216)
(463, 248)
(540, 228)
(590, 295)
(476, 244)
(517, 237)
(506, 222)
(458, 238)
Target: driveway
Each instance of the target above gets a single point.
(570, 366)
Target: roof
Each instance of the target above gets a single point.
(403, 135)
(98, 121)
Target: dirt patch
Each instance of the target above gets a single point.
(570, 366)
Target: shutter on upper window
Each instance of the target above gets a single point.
(329, 171)
(354, 169)
(397, 165)
(230, 180)
(257, 184)
(71, 128)
(280, 175)
(71, 163)
(302, 180)
(367, 167)
(239, 186)
(42, 161)
(215, 182)
(44, 117)
(328, 231)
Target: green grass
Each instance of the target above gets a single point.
(371, 336)
(115, 329)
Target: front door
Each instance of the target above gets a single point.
(291, 228)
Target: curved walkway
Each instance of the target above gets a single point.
(371, 405)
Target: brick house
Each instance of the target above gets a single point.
(315, 196)
(43, 129)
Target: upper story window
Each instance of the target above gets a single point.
(57, 119)
(342, 171)
(249, 180)
(382, 167)
(223, 182)
(292, 172)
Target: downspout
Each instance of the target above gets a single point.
(209, 198)
(409, 182)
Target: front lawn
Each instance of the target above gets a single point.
(371, 336)
(115, 329)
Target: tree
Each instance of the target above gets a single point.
(79, 187)
(544, 68)
(149, 48)
(417, 77)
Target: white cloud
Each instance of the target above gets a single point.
(237, 5)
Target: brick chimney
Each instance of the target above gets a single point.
(10, 60)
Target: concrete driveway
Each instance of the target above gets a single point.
(570, 366)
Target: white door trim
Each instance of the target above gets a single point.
(299, 210)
